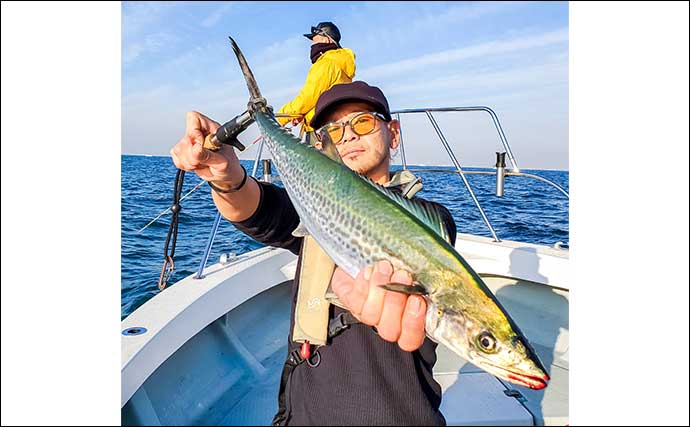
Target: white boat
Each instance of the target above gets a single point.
(209, 350)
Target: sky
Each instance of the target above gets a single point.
(509, 56)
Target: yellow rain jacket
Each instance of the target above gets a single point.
(333, 67)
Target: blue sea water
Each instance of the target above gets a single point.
(531, 211)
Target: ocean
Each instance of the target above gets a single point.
(530, 211)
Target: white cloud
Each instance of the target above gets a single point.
(280, 49)
(492, 48)
(139, 16)
(425, 21)
(142, 30)
(489, 82)
(148, 44)
(132, 51)
(454, 15)
(196, 74)
(216, 15)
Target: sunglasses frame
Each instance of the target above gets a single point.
(374, 114)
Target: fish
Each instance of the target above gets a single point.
(359, 223)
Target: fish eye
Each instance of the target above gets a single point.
(439, 312)
(487, 342)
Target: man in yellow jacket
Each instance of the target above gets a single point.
(331, 65)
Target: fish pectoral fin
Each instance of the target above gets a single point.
(415, 289)
(300, 231)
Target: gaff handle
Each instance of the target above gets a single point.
(227, 134)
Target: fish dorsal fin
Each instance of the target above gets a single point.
(430, 215)
(328, 147)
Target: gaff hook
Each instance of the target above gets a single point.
(166, 272)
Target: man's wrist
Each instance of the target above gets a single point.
(228, 186)
(221, 186)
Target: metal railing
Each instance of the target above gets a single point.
(526, 175)
(214, 230)
(429, 113)
(488, 110)
(514, 172)
(216, 222)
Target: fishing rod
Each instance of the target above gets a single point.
(226, 134)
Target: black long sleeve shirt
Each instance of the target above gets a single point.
(361, 379)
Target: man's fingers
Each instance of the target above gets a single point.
(371, 311)
(219, 160)
(185, 155)
(192, 121)
(413, 322)
(389, 326)
(351, 292)
(214, 159)
(361, 290)
(199, 154)
(196, 121)
(196, 136)
(397, 317)
(188, 154)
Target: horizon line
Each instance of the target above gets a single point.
(394, 164)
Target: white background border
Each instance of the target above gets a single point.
(61, 213)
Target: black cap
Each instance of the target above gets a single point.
(349, 92)
(325, 29)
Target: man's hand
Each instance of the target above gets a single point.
(189, 154)
(397, 317)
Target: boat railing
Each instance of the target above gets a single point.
(216, 221)
(458, 169)
(429, 112)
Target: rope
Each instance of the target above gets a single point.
(168, 263)
(166, 210)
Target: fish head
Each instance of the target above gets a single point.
(492, 343)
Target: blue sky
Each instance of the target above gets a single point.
(510, 56)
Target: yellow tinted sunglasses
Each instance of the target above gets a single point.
(361, 124)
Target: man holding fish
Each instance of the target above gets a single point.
(362, 367)
(336, 202)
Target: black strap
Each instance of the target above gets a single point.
(293, 360)
(343, 321)
(168, 263)
(336, 326)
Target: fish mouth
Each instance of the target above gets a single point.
(535, 382)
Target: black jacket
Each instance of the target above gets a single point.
(361, 379)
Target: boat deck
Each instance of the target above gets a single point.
(228, 373)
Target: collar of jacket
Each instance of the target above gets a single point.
(405, 182)
(319, 49)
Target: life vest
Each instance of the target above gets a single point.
(314, 295)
